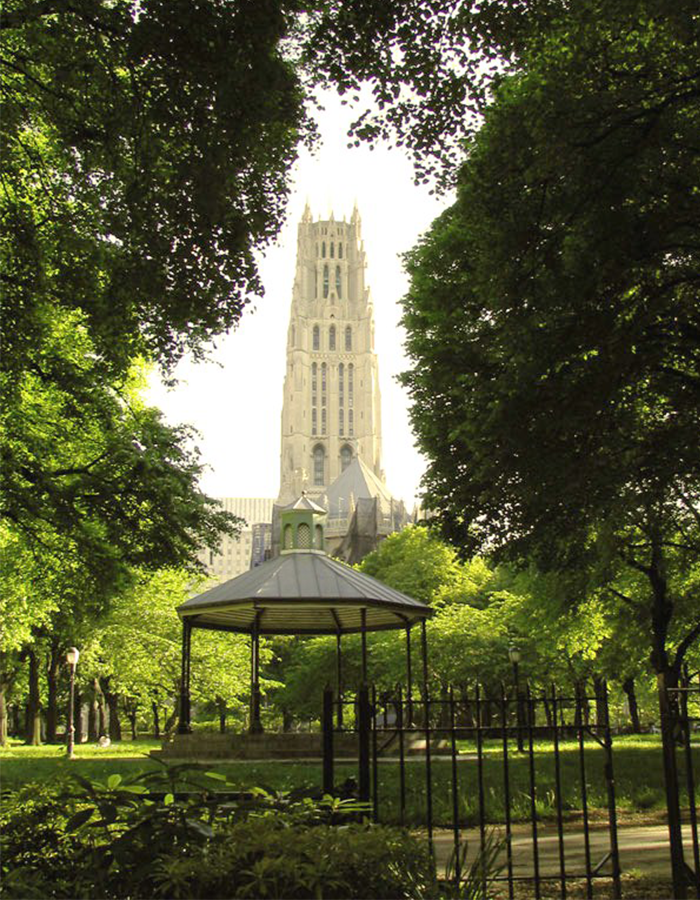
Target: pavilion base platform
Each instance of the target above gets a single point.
(205, 745)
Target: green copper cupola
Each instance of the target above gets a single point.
(302, 524)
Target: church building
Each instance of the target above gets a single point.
(331, 413)
(331, 409)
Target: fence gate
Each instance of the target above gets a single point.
(514, 787)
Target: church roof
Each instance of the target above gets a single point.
(358, 481)
(303, 592)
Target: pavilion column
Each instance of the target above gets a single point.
(339, 663)
(424, 645)
(255, 723)
(185, 726)
(363, 626)
(409, 679)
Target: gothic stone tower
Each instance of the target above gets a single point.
(331, 407)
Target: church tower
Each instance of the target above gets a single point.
(331, 407)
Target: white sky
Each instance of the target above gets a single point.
(235, 401)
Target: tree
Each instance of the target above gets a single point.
(93, 475)
(135, 650)
(416, 562)
(146, 151)
(553, 322)
(569, 315)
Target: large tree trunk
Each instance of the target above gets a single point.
(599, 689)
(97, 718)
(78, 716)
(92, 731)
(53, 668)
(667, 676)
(628, 688)
(132, 715)
(15, 720)
(115, 728)
(33, 717)
(3, 713)
(221, 709)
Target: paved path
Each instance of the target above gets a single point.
(643, 848)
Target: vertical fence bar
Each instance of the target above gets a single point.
(506, 791)
(557, 788)
(339, 678)
(533, 789)
(612, 810)
(363, 629)
(690, 779)
(426, 725)
(184, 725)
(480, 777)
(584, 790)
(455, 788)
(409, 679)
(327, 729)
(363, 728)
(402, 759)
(375, 778)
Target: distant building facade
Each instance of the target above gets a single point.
(236, 555)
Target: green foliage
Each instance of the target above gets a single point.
(552, 316)
(142, 837)
(144, 164)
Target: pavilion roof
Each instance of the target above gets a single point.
(303, 592)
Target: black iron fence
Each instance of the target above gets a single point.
(506, 779)
(685, 699)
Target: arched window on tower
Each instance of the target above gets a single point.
(341, 399)
(324, 420)
(331, 338)
(319, 465)
(338, 285)
(325, 282)
(314, 398)
(332, 250)
(351, 423)
(316, 341)
(348, 338)
(324, 397)
(323, 249)
(345, 457)
(340, 250)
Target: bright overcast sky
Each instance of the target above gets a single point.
(235, 401)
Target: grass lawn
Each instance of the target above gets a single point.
(636, 761)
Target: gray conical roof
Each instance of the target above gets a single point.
(303, 592)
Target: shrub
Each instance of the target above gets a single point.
(143, 838)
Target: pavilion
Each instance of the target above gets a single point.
(302, 591)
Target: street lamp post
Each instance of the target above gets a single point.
(514, 656)
(72, 656)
